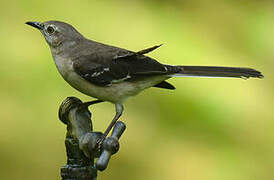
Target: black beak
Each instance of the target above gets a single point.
(35, 24)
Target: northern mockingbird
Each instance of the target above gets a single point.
(113, 74)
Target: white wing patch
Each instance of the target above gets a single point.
(120, 80)
(99, 73)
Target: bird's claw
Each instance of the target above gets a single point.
(100, 141)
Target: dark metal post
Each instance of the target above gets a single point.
(82, 143)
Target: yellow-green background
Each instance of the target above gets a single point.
(208, 129)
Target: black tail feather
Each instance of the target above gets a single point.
(215, 71)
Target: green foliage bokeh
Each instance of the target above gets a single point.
(208, 129)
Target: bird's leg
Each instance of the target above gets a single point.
(119, 110)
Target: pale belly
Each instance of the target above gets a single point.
(115, 93)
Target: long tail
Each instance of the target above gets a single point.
(215, 71)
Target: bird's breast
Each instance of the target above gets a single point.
(113, 93)
(64, 65)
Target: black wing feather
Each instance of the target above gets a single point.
(131, 54)
(165, 85)
(104, 70)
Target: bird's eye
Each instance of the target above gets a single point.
(50, 30)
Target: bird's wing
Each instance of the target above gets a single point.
(131, 54)
(105, 70)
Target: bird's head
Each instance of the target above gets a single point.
(57, 33)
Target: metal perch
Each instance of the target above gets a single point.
(82, 142)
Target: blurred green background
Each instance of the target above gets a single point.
(208, 129)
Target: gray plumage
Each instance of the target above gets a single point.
(113, 74)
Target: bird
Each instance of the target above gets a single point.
(113, 74)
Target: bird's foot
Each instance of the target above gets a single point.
(100, 141)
